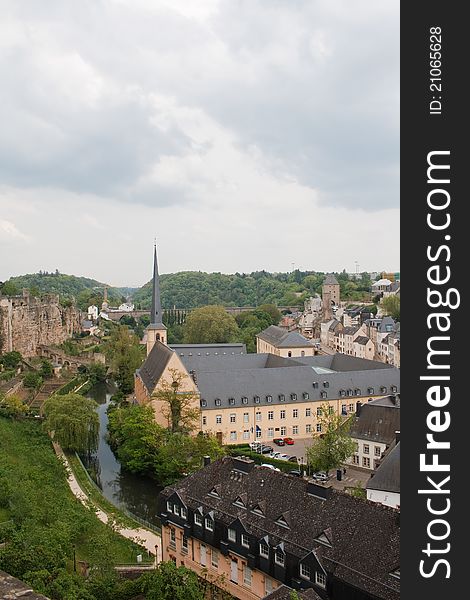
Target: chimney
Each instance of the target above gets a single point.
(243, 464)
(207, 460)
(319, 491)
(397, 436)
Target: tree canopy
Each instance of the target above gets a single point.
(330, 449)
(125, 355)
(73, 421)
(391, 306)
(210, 325)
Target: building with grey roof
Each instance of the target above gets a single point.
(384, 484)
(278, 341)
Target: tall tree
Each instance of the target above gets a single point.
(73, 421)
(124, 355)
(334, 446)
(210, 325)
(391, 306)
(181, 407)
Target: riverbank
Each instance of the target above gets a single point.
(119, 522)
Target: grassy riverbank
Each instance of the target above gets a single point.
(47, 520)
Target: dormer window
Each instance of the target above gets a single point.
(203, 403)
(315, 385)
(176, 510)
(269, 398)
(281, 397)
(394, 389)
(239, 502)
(231, 401)
(320, 579)
(293, 396)
(209, 524)
(305, 396)
(370, 390)
(357, 392)
(214, 492)
(264, 550)
(383, 390)
(396, 573)
(184, 512)
(256, 399)
(324, 394)
(323, 539)
(218, 402)
(326, 384)
(279, 557)
(342, 393)
(350, 392)
(169, 506)
(231, 535)
(257, 510)
(282, 522)
(244, 400)
(197, 519)
(305, 571)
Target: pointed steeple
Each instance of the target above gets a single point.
(156, 312)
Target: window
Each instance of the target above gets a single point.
(231, 401)
(246, 417)
(342, 393)
(197, 519)
(308, 428)
(217, 402)
(295, 413)
(247, 575)
(308, 412)
(264, 550)
(355, 459)
(394, 389)
(283, 414)
(209, 524)
(323, 394)
(350, 392)
(244, 400)
(232, 535)
(357, 392)
(246, 434)
(319, 427)
(270, 432)
(305, 571)
(326, 384)
(366, 449)
(377, 451)
(343, 409)
(320, 579)
(256, 399)
(383, 390)
(366, 461)
(295, 430)
(245, 540)
(176, 510)
(203, 403)
(270, 415)
(169, 506)
(284, 430)
(281, 397)
(184, 512)
(315, 384)
(305, 396)
(214, 558)
(172, 537)
(258, 416)
(184, 544)
(268, 585)
(279, 557)
(204, 420)
(293, 396)
(233, 436)
(331, 410)
(218, 419)
(370, 390)
(319, 412)
(269, 398)
(233, 418)
(258, 433)
(351, 408)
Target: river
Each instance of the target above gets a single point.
(135, 493)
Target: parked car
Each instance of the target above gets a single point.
(279, 441)
(272, 467)
(293, 459)
(295, 472)
(275, 455)
(320, 477)
(266, 449)
(255, 445)
(289, 441)
(283, 457)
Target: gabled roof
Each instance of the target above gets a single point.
(280, 338)
(387, 476)
(284, 592)
(154, 365)
(376, 423)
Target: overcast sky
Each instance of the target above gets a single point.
(243, 134)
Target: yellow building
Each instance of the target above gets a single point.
(279, 341)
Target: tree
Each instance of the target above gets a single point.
(73, 421)
(334, 446)
(272, 311)
(12, 406)
(391, 306)
(96, 372)
(169, 582)
(46, 369)
(10, 289)
(180, 406)
(210, 325)
(11, 360)
(125, 356)
(32, 379)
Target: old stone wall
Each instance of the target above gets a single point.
(26, 322)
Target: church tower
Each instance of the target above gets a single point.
(156, 331)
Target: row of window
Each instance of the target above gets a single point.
(305, 395)
(366, 449)
(247, 435)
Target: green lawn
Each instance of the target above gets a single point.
(48, 521)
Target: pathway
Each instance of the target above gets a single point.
(150, 540)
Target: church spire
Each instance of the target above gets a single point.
(156, 313)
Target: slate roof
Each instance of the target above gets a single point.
(362, 339)
(283, 592)
(364, 536)
(377, 422)
(207, 349)
(11, 588)
(348, 330)
(154, 365)
(280, 338)
(385, 325)
(387, 476)
(330, 279)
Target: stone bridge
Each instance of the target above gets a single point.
(59, 357)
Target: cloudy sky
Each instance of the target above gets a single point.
(243, 134)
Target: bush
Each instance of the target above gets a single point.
(11, 360)
(32, 379)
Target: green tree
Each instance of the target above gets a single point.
(96, 372)
(73, 421)
(46, 369)
(32, 379)
(169, 582)
(334, 446)
(391, 306)
(272, 311)
(210, 325)
(12, 406)
(125, 356)
(180, 407)
(11, 360)
(10, 289)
